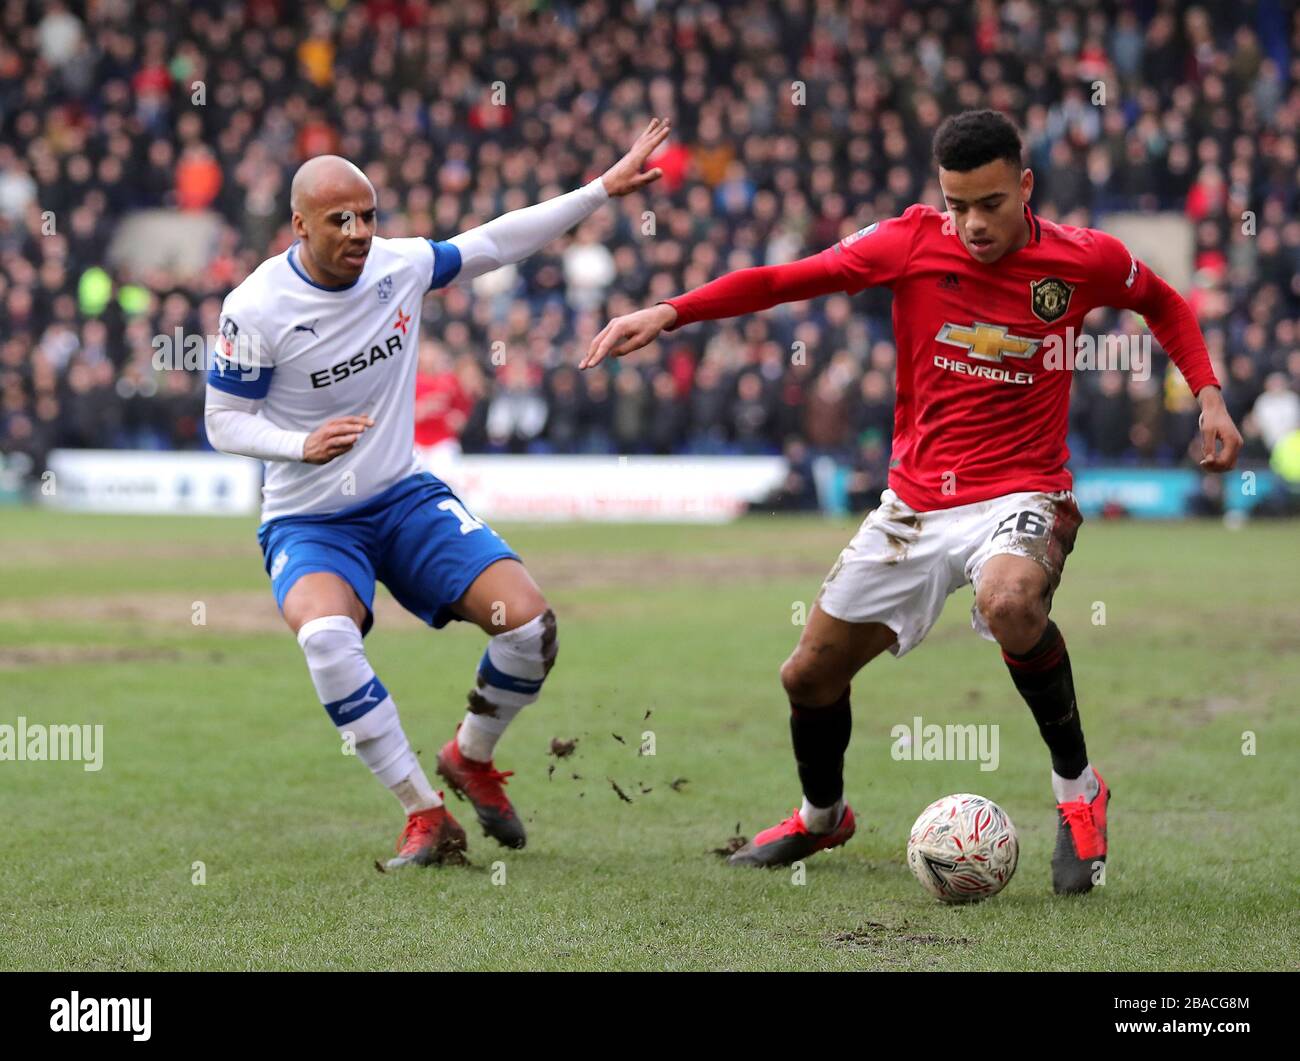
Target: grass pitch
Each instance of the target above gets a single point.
(219, 764)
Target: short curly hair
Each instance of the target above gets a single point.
(972, 139)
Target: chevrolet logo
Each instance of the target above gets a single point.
(987, 342)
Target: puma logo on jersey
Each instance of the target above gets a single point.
(307, 327)
(357, 362)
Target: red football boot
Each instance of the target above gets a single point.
(791, 841)
(1080, 842)
(483, 785)
(431, 837)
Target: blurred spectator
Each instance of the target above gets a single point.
(631, 406)
(442, 408)
(669, 423)
(798, 491)
(565, 413)
(870, 470)
(1109, 419)
(517, 412)
(1276, 412)
(198, 179)
(1207, 500)
(751, 416)
(59, 35)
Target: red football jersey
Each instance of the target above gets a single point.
(441, 407)
(978, 413)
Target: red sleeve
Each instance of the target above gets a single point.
(876, 255)
(751, 290)
(1126, 283)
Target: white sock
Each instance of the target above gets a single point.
(360, 706)
(510, 677)
(821, 819)
(478, 736)
(415, 792)
(1069, 789)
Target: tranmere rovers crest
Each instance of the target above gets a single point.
(384, 288)
(1049, 298)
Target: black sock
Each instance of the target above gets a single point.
(820, 736)
(1044, 679)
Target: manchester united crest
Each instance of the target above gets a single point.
(1049, 298)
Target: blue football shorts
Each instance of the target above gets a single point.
(416, 537)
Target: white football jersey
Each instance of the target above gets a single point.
(311, 354)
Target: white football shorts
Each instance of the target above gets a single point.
(901, 565)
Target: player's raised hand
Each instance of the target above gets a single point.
(1216, 427)
(334, 438)
(624, 334)
(625, 175)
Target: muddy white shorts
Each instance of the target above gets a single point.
(902, 564)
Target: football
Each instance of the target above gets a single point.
(963, 848)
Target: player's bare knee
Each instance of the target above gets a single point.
(793, 678)
(805, 683)
(298, 612)
(301, 613)
(518, 607)
(517, 610)
(313, 596)
(1015, 615)
(1001, 608)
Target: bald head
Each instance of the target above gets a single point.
(333, 205)
(326, 179)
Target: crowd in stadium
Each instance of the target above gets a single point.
(794, 124)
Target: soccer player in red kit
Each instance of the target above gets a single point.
(442, 408)
(978, 488)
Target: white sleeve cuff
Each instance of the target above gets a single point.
(234, 426)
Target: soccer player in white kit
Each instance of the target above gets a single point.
(315, 375)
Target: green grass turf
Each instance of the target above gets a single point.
(216, 751)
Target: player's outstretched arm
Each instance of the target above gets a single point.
(515, 236)
(732, 295)
(874, 256)
(233, 426)
(630, 332)
(1128, 283)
